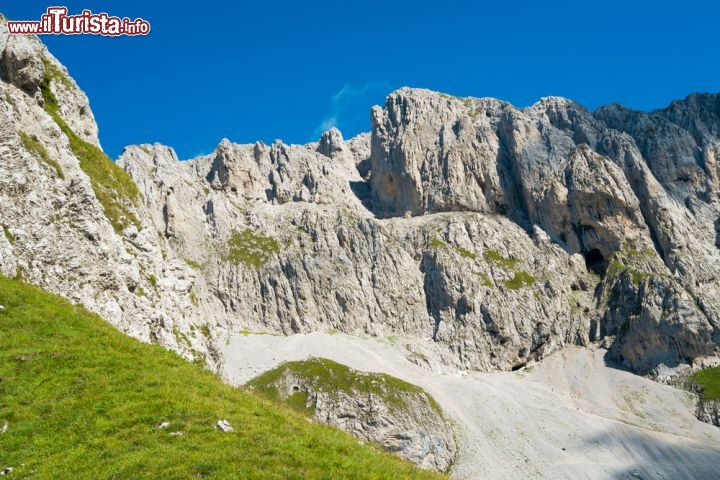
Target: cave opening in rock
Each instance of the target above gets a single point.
(595, 261)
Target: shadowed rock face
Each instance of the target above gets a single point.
(487, 235)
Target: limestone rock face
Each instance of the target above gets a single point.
(464, 280)
(56, 231)
(487, 236)
(398, 416)
(594, 182)
(20, 64)
(709, 412)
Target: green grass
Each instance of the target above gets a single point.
(466, 253)
(485, 279)
(113, 187)
(192, 263)
(519, 280)
(493, 256)
(34, 146)
(332, 377)
(437, 243)
(709, 378)
(193, 297)
(8, 234)
(250, 249)
(82, 401)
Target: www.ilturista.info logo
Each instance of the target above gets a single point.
(56, 21)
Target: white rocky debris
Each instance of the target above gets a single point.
(571, 415)
(224, 426)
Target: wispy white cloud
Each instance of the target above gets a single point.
(326, 124)
(349, 103)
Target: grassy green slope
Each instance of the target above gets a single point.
(709, 378)
(83, 401)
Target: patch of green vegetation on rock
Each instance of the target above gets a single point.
(519, 280)
(8, 234)
(250, 249)
(194, 297)
(83, 401)
(437, 243)
(33, 145)
(466, 253)
(639, 263)
(331, 377)
(180, 337)
(485, 279)
(54, 73)
(205, 330)
(9, 99)
(637, 276)
(494, 257)
(575, 301)
(113, 187)
(192, 263)
(709, 379)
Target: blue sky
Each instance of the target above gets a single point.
(267, 70)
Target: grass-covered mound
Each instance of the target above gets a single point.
(83, 401)
(709, 378)
(324, 375)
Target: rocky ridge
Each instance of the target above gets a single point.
(498, 234)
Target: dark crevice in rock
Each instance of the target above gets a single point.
(595, 261)
(518, 210)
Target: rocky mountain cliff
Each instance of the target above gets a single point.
(485, 235)
(73, 221)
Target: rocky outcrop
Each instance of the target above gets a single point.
(709, 412)
(56, 201)
(399, 416)
(20, 63)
